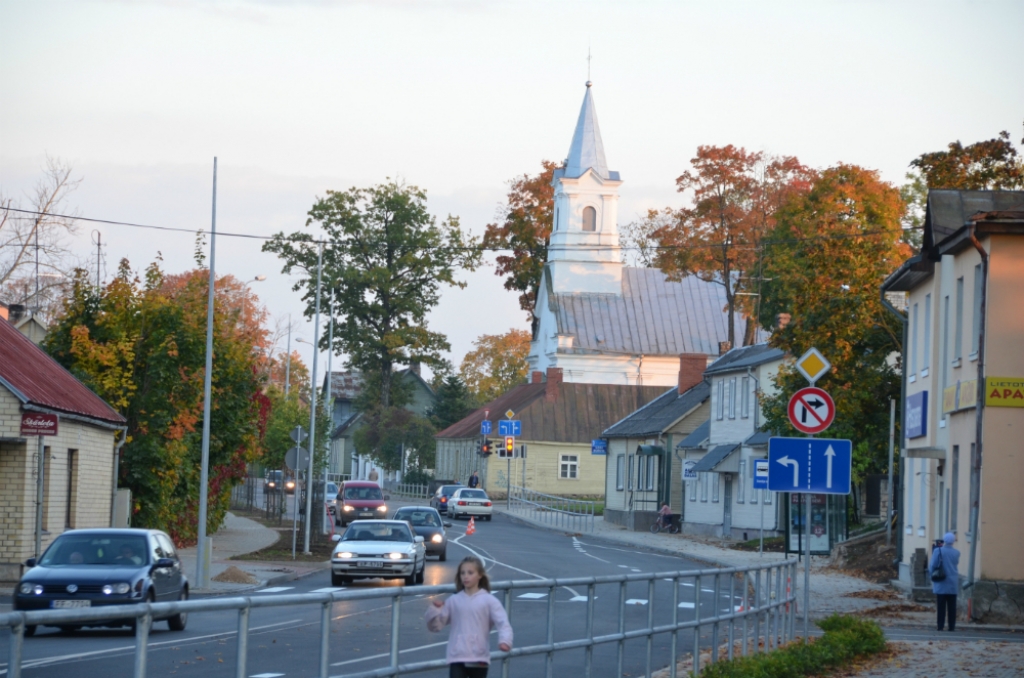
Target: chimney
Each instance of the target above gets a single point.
(781, 320)
(724, 347)
(16, 312)
(414, 367)
(536, 377)
(691, 370)
(554, 382)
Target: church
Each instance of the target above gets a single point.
(600, 321)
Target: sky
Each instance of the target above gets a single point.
(458, 97)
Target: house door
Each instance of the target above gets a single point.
(727, 505)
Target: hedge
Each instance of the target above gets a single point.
(845, 639)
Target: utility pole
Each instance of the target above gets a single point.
(312, 400)
(202, 572)
(329, 399)
(288, 360)
(892, 435)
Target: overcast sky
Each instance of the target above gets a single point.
(296, 98)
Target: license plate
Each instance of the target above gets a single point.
(370, 563)
(60, 604)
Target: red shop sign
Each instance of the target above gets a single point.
(38, 424)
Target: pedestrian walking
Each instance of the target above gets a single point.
(474, 480)
(373, 474)
(472, 613)
(945, 579)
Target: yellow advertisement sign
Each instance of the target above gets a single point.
(960, 397)
(1004, 392)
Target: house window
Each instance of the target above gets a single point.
(955, 493)
(732, 398)
(650, 472)
(589, 219)
(958, 328)
(568, 467)
(70, 510)
(910, 496)
(620, 472)
(691, 489)
(945, 341)
(629, 472)
(927, 354)
(913, 342)
(714, 478)
(741, 491)
(641, 469)
(702, 480)
(47, 463)
(720, 405)
(745, 398)
(976, 319)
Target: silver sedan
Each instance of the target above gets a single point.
(385, 549)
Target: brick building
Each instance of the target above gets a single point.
(78, 462)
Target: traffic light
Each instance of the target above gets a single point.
(484, 449)
(510, 446)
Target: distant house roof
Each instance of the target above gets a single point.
(744, 357)
(658, 415)
(715, 457)
(578, 414)
(697, 438)
(949, 209)
(344, 426)
(759, 439)
(652, 316)
(39, 381)
(348, 385)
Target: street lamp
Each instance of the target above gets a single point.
(259, 278)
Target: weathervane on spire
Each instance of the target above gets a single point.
(588, 65)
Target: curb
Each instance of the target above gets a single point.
(269, 581)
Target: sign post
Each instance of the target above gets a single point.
(40, 424)
(298, 435)
(761, 483)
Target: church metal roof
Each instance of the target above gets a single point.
(652, 316)
(587, 149)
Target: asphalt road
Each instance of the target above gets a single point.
(284, 642)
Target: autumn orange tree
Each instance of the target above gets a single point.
(992, 165)
(525, 230)
(827, 256)
(718, 238)
(496, 364)
(141, 345)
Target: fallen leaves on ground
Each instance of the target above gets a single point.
(234, 575)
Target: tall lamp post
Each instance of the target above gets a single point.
(312, 399)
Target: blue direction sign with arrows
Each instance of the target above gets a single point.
(510, 427)
(815, 465)
(485, 427)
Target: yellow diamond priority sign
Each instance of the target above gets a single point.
(510, 414)
(813, 365)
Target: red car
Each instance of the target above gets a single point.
(359, 500)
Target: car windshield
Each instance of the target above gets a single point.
(363, 493)
(420, 518)
(449, 490)
(274, 476)
(377, 532)
(332, 489)
(105, 549)
(473, 494)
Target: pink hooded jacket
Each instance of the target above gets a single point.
(472, 617)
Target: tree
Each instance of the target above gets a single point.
(496, 364)
(388, 432)
(718, 239)
(986, 165)
(384, 264)
(915, 198)
(141, 345)
(829, 252)
(527, 220)
(637, 238)
(452, 404)
(46, 227)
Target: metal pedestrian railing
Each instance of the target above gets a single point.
(763, 619)
(410, 491)
(571, 514)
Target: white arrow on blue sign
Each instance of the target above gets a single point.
(510, 427)
(816, 465)
(485, 427)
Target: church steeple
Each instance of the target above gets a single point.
(587, 149)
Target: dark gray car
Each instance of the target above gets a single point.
(426, 522)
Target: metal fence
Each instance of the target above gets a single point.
(409, 491)
(763, 619)
(563, 512)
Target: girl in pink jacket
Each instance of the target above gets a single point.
(472, 612)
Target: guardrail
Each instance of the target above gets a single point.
(571, 514)
(410, 491)
(773, 605)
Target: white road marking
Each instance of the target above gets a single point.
(688, 606)
(635, 569)
(579, 547)
(624, 567)
(275, 589)
(267, 675)
(485, 559)
(328, 589)
(686, 583)
(532, 596)
(636, 601)
(580, 599)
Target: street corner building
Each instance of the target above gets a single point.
(961, 461)
(44, 408)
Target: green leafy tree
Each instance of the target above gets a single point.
(527, 219)
(141, 345)
(830, 250)
(986, 165)
(496, 364)
(384, 264)
(453, 403)
(387, 432)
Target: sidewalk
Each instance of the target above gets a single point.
(239, 536)
(833, 591)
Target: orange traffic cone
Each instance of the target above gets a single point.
(471, 528)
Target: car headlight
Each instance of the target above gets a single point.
(437, 538)
(344, 554)
(383, 508)
(397, 556)
(37, 589)
(25, 588)
(348, 508)
(120, 588)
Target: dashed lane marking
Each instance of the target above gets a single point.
(532, 596)
(266, 675)
(636, 601)
(328, 589)
(688, 606)
(580, 599)
(275, 589)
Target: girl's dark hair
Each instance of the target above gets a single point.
(485, 581)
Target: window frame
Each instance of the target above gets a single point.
(715, 498)
(720, 409)
(741, 491)
(927, 346)
(620, 472)
(745, 398)
(732, 398)
(958, 336)
(568, 467)
(583, 219)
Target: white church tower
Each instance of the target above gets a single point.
(583, 252)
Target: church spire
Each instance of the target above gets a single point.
(587, 150)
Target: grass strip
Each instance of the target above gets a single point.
(846, 639)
